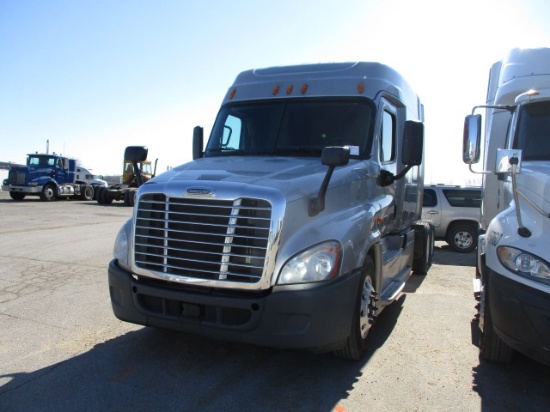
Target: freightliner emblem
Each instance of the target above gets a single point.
(199, 191)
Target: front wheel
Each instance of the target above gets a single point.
(49, 192)
(492, 347)
(17, 195)
(363, 316)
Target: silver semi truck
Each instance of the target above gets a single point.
(295, 225)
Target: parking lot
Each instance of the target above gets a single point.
(62, 349)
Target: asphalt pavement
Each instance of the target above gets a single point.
(62, 349)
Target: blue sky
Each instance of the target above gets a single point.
(93, 77)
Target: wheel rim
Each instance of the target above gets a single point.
(48, 192)
(367, 307)
(463, 240)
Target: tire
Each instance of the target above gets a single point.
(86, 192)
(49, 192)
(423, 248)
(99, 195)
(17, 195)
(363, 316)
(462, 237)
(132, 197)
(432, 243)
(127, 198)
(492, 347)
(107, 199)
(103, 197)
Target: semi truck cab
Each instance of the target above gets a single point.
(512, 282)
(295, 225)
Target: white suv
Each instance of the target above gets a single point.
(455, 213)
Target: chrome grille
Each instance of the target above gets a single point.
(202, 238)
(16, 177)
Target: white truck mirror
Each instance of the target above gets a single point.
(471, 139)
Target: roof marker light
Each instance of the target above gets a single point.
(232, 94)
(275, 90)
(304, 88)
(289, 89)
(532, 93)
(361, 88)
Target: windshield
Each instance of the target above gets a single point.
(146, 168)
(292, 127)
(533, 131)
(41, 161)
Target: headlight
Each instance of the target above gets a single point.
(523, 263)
(121, 248)
(319, 263)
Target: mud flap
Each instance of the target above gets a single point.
(475, 329)
(476, 333)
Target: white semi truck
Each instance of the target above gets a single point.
(295, 225)
(512, 280)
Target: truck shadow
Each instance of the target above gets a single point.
(150, 369)
(531, 382)
(444, 255)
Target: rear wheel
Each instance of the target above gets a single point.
(462, 237)
(423, 248)
(103, 197)
(363, 316)
(86, 192)
(132, 197)
(99, 195)
(48, 192)
(17, 195)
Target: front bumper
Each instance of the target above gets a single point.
(521, 316)
(28, 190)
(310, 316)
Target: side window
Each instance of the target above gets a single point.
(430, 198)
(463, 198)
(231, 138)
(387, 138)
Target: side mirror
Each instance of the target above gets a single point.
(471, 139)
(413, 143)
(198, 138)
(508, 161)
(136, 153)
(332, 156)
(335, 156)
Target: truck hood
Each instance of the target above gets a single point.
(534, 183)
(306, 174)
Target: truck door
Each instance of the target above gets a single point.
(61, 168)
(387, 155)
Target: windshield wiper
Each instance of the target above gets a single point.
(224, 151)
(299, 151)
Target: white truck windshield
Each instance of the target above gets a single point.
(533, 131)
